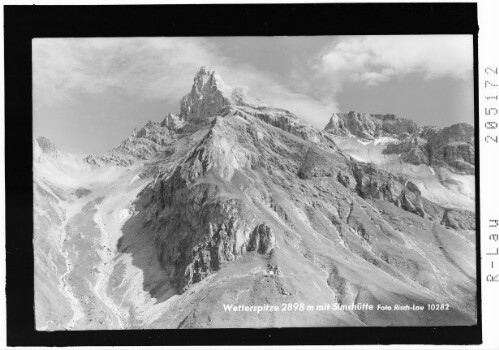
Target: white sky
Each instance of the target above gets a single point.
(90, 93)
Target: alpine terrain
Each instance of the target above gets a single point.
(233, 213)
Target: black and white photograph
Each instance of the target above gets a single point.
(253, 182)
(236, 174)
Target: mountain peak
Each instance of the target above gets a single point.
(208, 96)
(369, 126)
(46, 146)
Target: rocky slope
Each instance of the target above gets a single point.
(440, 162)
(233, 202)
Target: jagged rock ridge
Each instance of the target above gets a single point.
(451, 147)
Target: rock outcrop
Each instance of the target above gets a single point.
(208, 96)
(172, 122)
(374, 183)
(369, 126)
(459, 219)
(197, 230)
(143, 144)
(451, 147)
(454, 146)
(318, 163)
(43, 145)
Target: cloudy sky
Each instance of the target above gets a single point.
(88, 94)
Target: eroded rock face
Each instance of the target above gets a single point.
(46, 146)
(316, 165)
(458, 219)
(207, 97)
(218, 230)
(261, 240)
(451, 147)
(172, 122)
(377, 184)
(412, 149)
(242, 201)
(195, 232)
(369, 126)
(454, 146)
(370, 182)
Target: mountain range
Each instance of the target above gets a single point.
(233, 202)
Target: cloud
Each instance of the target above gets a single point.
(152, 69)
(271, 91)
(147, 68)
(373, 60)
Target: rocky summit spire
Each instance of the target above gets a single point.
(208, 96)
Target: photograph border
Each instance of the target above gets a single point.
(24, 23)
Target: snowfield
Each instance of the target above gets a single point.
(442, 186)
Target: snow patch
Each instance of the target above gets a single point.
(357, 158)
(124, 214)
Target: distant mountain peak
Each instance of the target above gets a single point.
(231, 195)
(46, 146)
